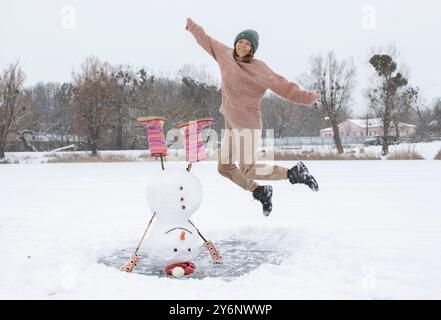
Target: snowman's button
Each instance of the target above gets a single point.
(183, 207)
(182, 199)
(181, 188)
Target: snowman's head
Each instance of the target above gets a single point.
(174, 194)
(175, 245)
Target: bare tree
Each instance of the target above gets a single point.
(384, 95)
(11, 85)
(278, 114)
(199, 99)
(335, 81)
(197, 73)
(410, 103)
(64, 110)
(423, 114)
(200, 93)
(94, 99)
(407, 103)
(43, 106)
(127, 82)
(47, 112)
(144, 101)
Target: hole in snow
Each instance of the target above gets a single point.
(240, 257)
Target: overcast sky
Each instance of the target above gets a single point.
(51, 37)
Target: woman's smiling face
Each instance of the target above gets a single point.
(243, 48)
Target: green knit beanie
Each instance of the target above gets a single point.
(251, 35)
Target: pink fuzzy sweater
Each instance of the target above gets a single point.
(244, 84)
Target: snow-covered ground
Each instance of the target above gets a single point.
(427, 150)
(373, 231)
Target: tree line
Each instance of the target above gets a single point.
(102, 102)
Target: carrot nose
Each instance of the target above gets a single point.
(182, 235)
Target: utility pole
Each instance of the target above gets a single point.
(367, 124)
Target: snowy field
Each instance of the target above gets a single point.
(427, 150)
(372, 232)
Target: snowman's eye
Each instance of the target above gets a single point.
(189, 249)
(175, 250)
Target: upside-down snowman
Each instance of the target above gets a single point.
(173, 195)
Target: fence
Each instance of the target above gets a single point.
(299, 142)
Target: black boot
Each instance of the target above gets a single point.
(300, 174)
(264, 194)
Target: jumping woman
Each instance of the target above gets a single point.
(244, 83)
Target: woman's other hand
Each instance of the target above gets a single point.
(189, 21)
(316, 96)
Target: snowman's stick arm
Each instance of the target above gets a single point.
(145, 233)
(214, 252)
(133, 260)
(199, 233)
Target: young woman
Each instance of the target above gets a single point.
(244, 83)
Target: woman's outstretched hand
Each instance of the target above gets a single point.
(316, 96)
(188, 23)
(317, 99)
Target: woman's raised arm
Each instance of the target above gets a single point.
(290, 90)
(212, 46)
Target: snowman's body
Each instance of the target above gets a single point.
(173, 194)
